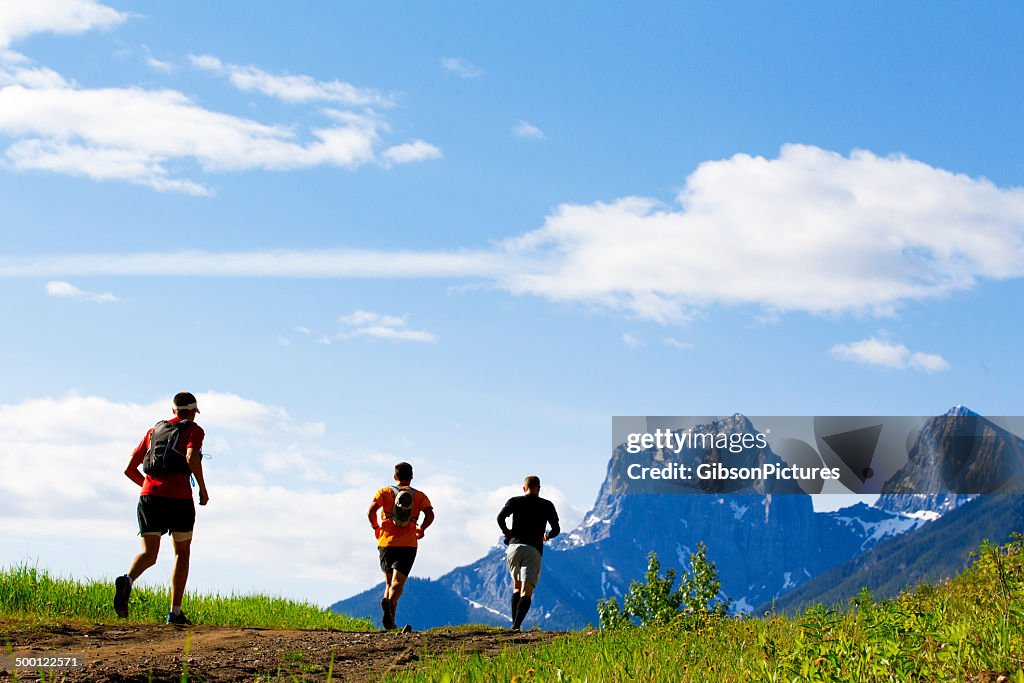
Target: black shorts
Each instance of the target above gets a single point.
(165, 515)
(397, 559)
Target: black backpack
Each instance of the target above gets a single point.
(401, 513)
(163, 456)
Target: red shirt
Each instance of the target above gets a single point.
(171, 485)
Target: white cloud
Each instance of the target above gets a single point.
(676, 344)
(631, 341)
(360, 318)
(291, 88)
(158, 138)
(872, 351)
(154, 63)
(206, 62)
(307, 499)
(8, 57)
(31, 76)
(353, 263)
(397, 334)
(417, 150)
(367, 324)
(523, 129)
(887, 354)
(20, 19)
(461, 67)
(63, 289)
(66, 290)
(928, 362)
(140, 135)
(811, 231)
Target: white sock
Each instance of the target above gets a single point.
(176, 610)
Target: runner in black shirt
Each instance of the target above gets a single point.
(531, 516)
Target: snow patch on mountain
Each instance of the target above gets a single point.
(877, 525)
(477, 605)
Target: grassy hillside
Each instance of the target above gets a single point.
(967, 628)
(970, 628)
(31, 594)
(936, 551)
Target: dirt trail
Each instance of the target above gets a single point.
(120, 653)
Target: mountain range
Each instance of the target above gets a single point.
(769, 546)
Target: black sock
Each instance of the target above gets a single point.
(515, 605)
(524, 607)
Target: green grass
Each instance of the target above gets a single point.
(29, 595)
(971, 628)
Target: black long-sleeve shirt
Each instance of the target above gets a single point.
(530, 517)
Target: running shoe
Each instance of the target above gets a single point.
(178, 619)
(122, 591)
(388, 617)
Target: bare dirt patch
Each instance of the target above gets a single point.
(123, 653)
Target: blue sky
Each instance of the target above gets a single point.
(469, 237)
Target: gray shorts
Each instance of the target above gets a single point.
(523, 563)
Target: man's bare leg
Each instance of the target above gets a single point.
(395, 587)
(182, 553)
(387, 608)
(147, 558)
(142, 562)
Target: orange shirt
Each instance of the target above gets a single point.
(392, 535)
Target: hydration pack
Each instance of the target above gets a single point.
(401, 514)
(164, 456)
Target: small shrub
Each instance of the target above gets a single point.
(656, 602)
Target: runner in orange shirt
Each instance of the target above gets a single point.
(397, 535)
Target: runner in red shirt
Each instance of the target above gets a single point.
(170, 453)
